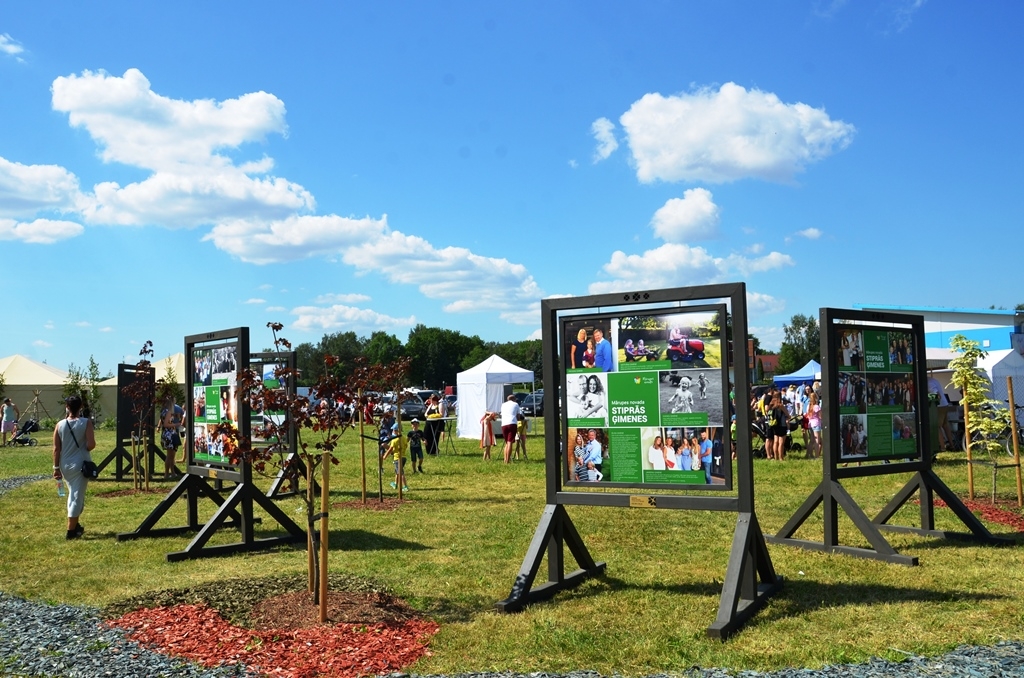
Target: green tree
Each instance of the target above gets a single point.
(383, 348)
(802, 343)
(74, 383)
(986, 419)
(760, 370)
(437, 354)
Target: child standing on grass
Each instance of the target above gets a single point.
(416, 445)
(397, 449)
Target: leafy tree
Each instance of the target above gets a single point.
(802, 343)
(437, 354)
(986, 420)
(167, 385)
(760, 370)
(383, 348)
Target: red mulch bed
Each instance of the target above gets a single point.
(366, 634)
(125, 493)
(992, 514)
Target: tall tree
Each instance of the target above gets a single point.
(437, 354)
(383, 348)
(802, 343)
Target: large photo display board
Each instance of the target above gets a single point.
(213, 399)
(877, 392)
(645, 399)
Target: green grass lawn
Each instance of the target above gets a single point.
(456, 546)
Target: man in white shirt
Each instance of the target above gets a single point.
(509, 419)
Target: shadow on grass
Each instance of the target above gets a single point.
(361, 540)
(799, 597)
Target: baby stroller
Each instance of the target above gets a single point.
(759, 430)
(23, 436)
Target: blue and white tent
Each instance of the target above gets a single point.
(806, 375)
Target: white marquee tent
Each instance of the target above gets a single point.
(481, 389)
(23, 377)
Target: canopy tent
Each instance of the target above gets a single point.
(481, 389)
(807, 374)
(999, 365)
(23, 377)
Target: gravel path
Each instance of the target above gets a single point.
(64, 640)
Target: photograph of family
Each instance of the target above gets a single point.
(850, 352)
(588, 345)
(586, 396)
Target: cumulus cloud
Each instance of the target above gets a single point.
(310, 318)
(255, 300)
(468, 281)
(293, 238)
(761, 304)
(40, 231)
(676, 264)
(138, 127)
(695, 216)
(106, 329)
(26, 190)
(770, 336)
(728, 134)
(809, 233)
(603, 130)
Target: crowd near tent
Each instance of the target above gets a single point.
(23, 377)
(807, 374)
(481, 389)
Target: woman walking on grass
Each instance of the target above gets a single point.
(73, 439)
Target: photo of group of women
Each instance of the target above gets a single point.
(663, 455)
(692, 391)
(697, 450)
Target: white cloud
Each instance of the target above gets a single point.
(536, 334)
(41, 343)
(82, 323)
(255, 300)
(349, 317)
(573, 164)
(49, 325)
(469, 282)
(341, 299)
(10, 46)
(276, 309)
(763, 304)
(199, 197)
(676, 264)
(603, 130)
(695, 216)
(296, 237)
(27, 189)
(728, 134)
(40, 231)
(106, 329)
(810, 233)
(138, 127)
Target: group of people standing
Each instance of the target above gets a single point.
(776, 408)
(685, 455)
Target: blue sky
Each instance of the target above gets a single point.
(171, 169)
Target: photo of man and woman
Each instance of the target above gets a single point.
(850, 356)
(587, 396)
(589, 453)
(588, 346)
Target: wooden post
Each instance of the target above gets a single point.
(310, 564)
(1016, 443)
(362, 441)
(967, 445)
(325, 489)
(136, 482)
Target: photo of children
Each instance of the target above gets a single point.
(690, 391)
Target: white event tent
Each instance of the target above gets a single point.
(481, 389)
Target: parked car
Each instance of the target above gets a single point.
(412, 407)
(533, 404)
(451, 399)
(520, 396)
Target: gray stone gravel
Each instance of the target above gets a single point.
(64, 640)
